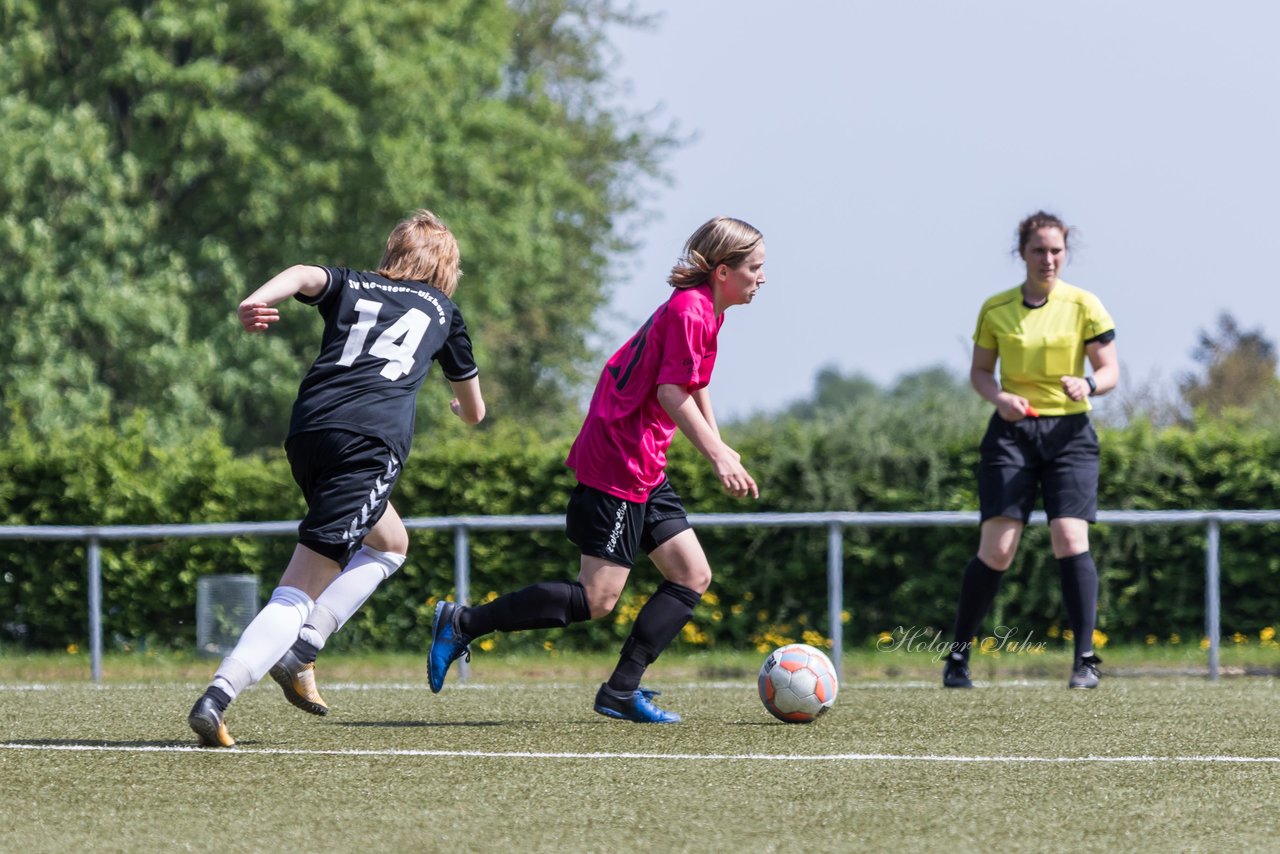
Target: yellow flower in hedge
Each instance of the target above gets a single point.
(1267, 634)
(813, 638)
(1239, 639)
(1204, 643)
(1053, 632)
(845, 616)
(736, 609)
(1175, 638)
(487, 644)
(1150, 640)
(885, 637)
(1099, 639)
(490, 596)
(72, 649)
(710, 598)
(549, 646)
(692, 634)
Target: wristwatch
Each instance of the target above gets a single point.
(1093, 386)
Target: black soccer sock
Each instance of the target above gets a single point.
(1080, 596)
(546, 605)
(656, 626)
(305, 651)
(977, 592)
(220, 698)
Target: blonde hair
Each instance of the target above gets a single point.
(722, 240)
(422, 249)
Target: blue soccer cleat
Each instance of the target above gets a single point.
(636, 706)
(447, 644)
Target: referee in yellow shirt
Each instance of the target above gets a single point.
(1039, 438)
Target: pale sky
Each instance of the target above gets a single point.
(888, 150)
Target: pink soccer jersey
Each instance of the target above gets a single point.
(622, 447)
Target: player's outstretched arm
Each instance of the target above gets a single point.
(688, 415)
(468, 403)
(257, 311)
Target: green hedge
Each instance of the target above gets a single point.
(770, 583)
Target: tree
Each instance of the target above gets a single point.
(217, 143)
(1239, 370)
(918, 392)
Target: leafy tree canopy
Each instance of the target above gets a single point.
(1238, 372)
(163, 158)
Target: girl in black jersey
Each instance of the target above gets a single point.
(349, 435)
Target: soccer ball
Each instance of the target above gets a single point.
(798, 683)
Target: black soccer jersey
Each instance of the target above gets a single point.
(380, 337)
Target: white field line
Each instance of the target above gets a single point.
(680, 757)
(522, 686)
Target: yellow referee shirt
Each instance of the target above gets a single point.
(1038, 346)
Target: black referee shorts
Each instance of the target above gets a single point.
(612, 528)
(1055, 455)
(346, 479)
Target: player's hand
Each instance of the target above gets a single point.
(257, 316)
(1077, 388)
(733, 477)
(455, 406)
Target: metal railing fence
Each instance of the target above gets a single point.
(834, 521)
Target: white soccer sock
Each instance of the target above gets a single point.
(340, 600)
(265, 639)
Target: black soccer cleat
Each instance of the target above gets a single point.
(1086, 673)
(956, 674)
(206, 721)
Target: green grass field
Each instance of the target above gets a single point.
(515, 760)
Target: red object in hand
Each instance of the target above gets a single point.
(1030, 412)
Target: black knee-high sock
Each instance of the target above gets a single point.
(977, 592)
(546, 605)
(1080, 595)
(657, 625)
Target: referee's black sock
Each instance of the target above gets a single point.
(546, 605)
(977, 592)
(1080, 596)
(656, 626)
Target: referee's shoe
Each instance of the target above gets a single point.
(956, 673)
(1086, 673)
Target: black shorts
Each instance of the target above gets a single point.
(346, 479)
(612, 528)
(1057, 455)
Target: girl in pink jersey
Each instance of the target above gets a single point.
(651, 387)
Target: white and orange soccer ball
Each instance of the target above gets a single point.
(798, 683)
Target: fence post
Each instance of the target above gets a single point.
(835, 591)
(462, 582)
(95, 609)
(1212, 597)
